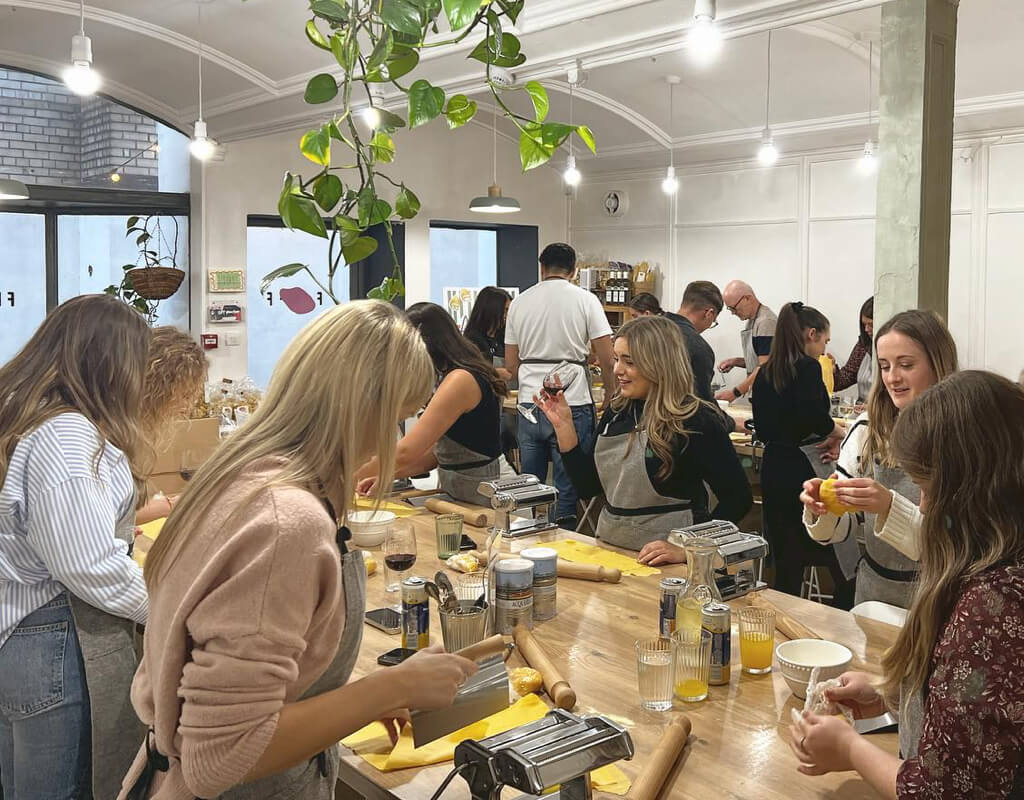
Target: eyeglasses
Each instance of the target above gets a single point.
(738, 303)
(713, 325)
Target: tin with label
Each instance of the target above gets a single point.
(671, 589)
(513, 595)
(718, 622)
(415, 614)
(545, 581)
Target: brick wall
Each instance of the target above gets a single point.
(50, 136)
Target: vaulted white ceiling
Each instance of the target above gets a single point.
(258, 62)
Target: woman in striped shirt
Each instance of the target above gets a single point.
(69, 592)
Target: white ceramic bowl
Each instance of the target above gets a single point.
(369, 527)
(798, 657)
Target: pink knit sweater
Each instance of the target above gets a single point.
(246, 618)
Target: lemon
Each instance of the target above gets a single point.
(827, 493)
(370, 562)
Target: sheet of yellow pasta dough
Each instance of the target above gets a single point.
(583, 553)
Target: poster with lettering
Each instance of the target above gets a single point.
(458, 301)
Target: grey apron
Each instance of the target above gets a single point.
(847, 551)
(316, 779)
(911, 721)
(461, 470)
(865, 377)
(747, 338)
(108, 652)
(885, 574)
(634, 513)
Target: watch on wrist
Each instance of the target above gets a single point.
(736, 392)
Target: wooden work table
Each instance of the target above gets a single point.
(738, 748)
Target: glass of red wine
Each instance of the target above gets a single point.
(191, 460)
(399, 554)
(557, 380)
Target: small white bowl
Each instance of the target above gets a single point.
(369, 527)
(798, 657)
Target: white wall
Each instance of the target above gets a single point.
(804, 230)
(445, 169)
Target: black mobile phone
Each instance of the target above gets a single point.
(385, 619)
(467, 543)
(394, 657)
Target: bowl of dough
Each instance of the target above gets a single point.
(799, 657)
(369, 528)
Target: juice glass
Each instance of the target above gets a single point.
(693, 664)
(757, 639)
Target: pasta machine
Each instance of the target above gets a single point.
(519, 493)
(742, 555)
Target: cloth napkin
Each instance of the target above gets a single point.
(582, 553)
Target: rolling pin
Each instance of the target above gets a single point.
(478, 519)
(493, 646)
(567, 569)
(558, 689)
(784, 623)
(657, 769)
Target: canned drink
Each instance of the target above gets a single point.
(415, 614)
(718, 621)
(671, 588)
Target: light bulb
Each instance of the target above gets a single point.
(82, 79)
(704, 41)
(571, 175)
(115, 177)
(769, 153)
(371, 116)
(202, 146)
(868, 163)
(671, 184)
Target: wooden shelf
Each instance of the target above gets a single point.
(616, 309)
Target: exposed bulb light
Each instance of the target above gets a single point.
(115, 177)
(769, 153)
(571, 175)
(202, 146)
(80, 77)
(671, 183)
(704, 41)
(371, 114)
(868, 163)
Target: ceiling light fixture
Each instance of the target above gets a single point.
(11, 189)
(671, 184)
(704, 41)
(769, 153)
(370, 114)
(572, 175)
(202, 146)
(868, 163)
(115, 177)
(80, 77)
(493, 202)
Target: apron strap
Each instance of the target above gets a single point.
(467, 465)
(901, 576)
(155, 762)
(552, 361)
(647, 510)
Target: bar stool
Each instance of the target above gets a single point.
(810, 589)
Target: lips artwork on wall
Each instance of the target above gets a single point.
(297, 300)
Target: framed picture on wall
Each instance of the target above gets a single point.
(458, 301)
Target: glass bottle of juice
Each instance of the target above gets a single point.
(701, 588)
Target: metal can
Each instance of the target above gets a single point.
(415, 614)
(545, 581)
(513, 595)
(718, 622)
(671, 588)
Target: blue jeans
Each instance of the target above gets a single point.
(45, 737)
(538, 447)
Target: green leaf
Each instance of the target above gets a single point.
(407, 204)
(327, 191)
(381, 50)
(382, 147)
(587, 136)
(425, 103)
(141, 305)
(389, 121)
(389, 289)
(363, 247)
(300, 213)
(333, 10)
(281, 272)
(316, 146)
(131, 223)
(346, 50)
(460, 12)
(321, 88)
(554, 134)
(372, 210)
(403, 60)
(402, 16)
(127, 267)
(512, 9)
(143, 238)
(460, 110)
(533, 152)
(111, 290)
(539, 98)
(314, 35)
(347, 224)
(505, 54)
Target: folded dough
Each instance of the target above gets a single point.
(816, 701)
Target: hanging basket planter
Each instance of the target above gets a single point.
(156, 283)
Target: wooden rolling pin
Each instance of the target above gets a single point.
(660, 764)
(478, 519)
(493, 646)
(784, 623)
(567, 569)
(558, 689)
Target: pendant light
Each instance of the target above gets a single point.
(11, 189)
(868, 164)
(202, 146)
(704, 40)
(371, 114)
(769, 153)
(493, 202)
(671, 184)
(80, 77)
(572, 175)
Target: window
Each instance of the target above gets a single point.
(461, 258)
(22, 280)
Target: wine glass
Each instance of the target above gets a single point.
(561, 378)
(399, 554)
(191, 460)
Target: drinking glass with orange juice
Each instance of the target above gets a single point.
(757, 639)
(693, 663)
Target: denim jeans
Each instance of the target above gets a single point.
(45, 738)
(538, 447)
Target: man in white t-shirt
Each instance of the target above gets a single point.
(552, 322)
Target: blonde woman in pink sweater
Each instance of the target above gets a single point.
(256, 607)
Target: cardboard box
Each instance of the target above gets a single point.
(198, 435)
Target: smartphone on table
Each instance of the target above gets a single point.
(385, 619)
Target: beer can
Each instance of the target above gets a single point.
(671, 588)
(718, 621)
(415, 614)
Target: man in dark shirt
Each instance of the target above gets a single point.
(702, 303)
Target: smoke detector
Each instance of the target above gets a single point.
(502, 77)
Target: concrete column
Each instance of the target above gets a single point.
(916, 156)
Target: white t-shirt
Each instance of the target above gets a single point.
(555, 321)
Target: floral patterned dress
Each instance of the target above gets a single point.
(972, 739)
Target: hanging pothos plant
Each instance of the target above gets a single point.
(379, 42)
(155, 275)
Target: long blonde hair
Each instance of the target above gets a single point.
(334, 400)
(88, 356)
(962, 442)
(175, 375)
(931, 334)
(658, 350)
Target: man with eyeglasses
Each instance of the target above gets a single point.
(756, 336)
(702, 303)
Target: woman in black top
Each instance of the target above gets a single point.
(486, 326)
(791, 416)
(656, 447)
(459, 432)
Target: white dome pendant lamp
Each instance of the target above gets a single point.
(202, 146)
(769, 153)
(80, 77)
(494, 202)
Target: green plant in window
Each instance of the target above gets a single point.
(155, 275)
(378, 42)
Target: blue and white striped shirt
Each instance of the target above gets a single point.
(65, 523)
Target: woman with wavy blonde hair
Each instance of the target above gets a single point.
(657, 445)
(956, 665)
(256, 603)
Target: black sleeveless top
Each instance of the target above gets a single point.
(480, 429)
